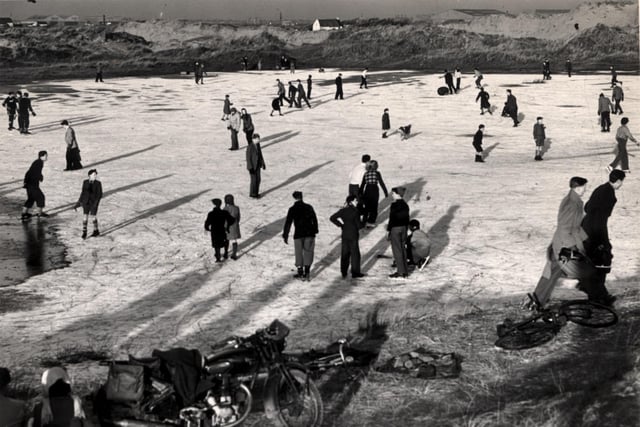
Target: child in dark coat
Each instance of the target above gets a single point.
(218, 223)
(386, 123)
(89, 200)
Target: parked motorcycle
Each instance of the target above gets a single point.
(241, 376)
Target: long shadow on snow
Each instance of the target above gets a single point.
(439, 232)
(75, 124)
(121, 156)
(297, 176)
(260, 235)
(56, 124)
(489, 149)
(288, 135)
(154, 211)
(70, 206)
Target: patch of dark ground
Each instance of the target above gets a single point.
(28, 249)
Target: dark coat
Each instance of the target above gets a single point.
(386, 122)
(348, 219)
(598, 210)
(255, 160)
(90, 195)
(217, 222)
(34, 174)
(339, 82)
(511, 105)
(448, 78)
(477, 139)
(398, 214)
(24, 106)
(483, 96)
(247, 123)
(304, 218)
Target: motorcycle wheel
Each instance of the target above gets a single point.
(296, 408)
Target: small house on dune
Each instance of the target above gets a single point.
(326, 24)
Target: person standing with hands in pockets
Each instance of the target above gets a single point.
(89, 200)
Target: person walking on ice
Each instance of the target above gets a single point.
(477, 143)
(24, 107)
(622, 157)
(226, 108)
(234, 126)
(511, 107)
(363, 79)
(478, 76)
(217, 223)
(539, 136)
(386, 123)
(309, 86)
(618, 96)
(458, 76)
(73, 151)
(448, 79)
(32, 180)
(11, 104)
(484, 96)
(255, 162)
(339, 92)
(234, 229)
(303, 217)
(301, 95)
(604, 111)
(90, 197)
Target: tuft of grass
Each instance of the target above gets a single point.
(73, 355)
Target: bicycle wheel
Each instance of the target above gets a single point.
(301, 407)
(527, 336)
(588, 313)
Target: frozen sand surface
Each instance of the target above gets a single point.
(161, 151)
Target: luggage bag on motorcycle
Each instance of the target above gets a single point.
(125, 383)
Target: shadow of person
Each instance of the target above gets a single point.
(439, 232)
(487, 151)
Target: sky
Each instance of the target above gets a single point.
(264, 9)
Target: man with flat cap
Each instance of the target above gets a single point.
(348, 219)
(303, 217)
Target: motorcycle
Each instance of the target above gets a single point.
(241, 376)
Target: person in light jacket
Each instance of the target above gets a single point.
(73, 151)
(234, 126)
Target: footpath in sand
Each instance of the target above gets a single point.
(161, 151)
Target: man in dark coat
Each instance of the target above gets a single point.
(303, 217)
(339, 93)
(348, 219)
(90, 200)
(618, 96)
(11, 104)
(484, 96)
(595, 223)
(292, 95)
(99, 73)
(255, 162)
(247, 124)
(477, 143)
(32, 180)
(301, 95)
(13, 412)
(309, 86)
(569, 67)
(511, 107)
(546, 70)
(24, 107)
(73, 151)
(397, 231)
(217, 223)
(448, 79)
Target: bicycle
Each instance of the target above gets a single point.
(547, 322)
(319, 362)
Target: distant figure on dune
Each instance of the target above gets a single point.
(339, 87)
(89, 199)
(569, 67)
(245, 63)
(478, 76)
(99, 73)
(477, 144)
(484, 96)
(226, 108)
(604, 111)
